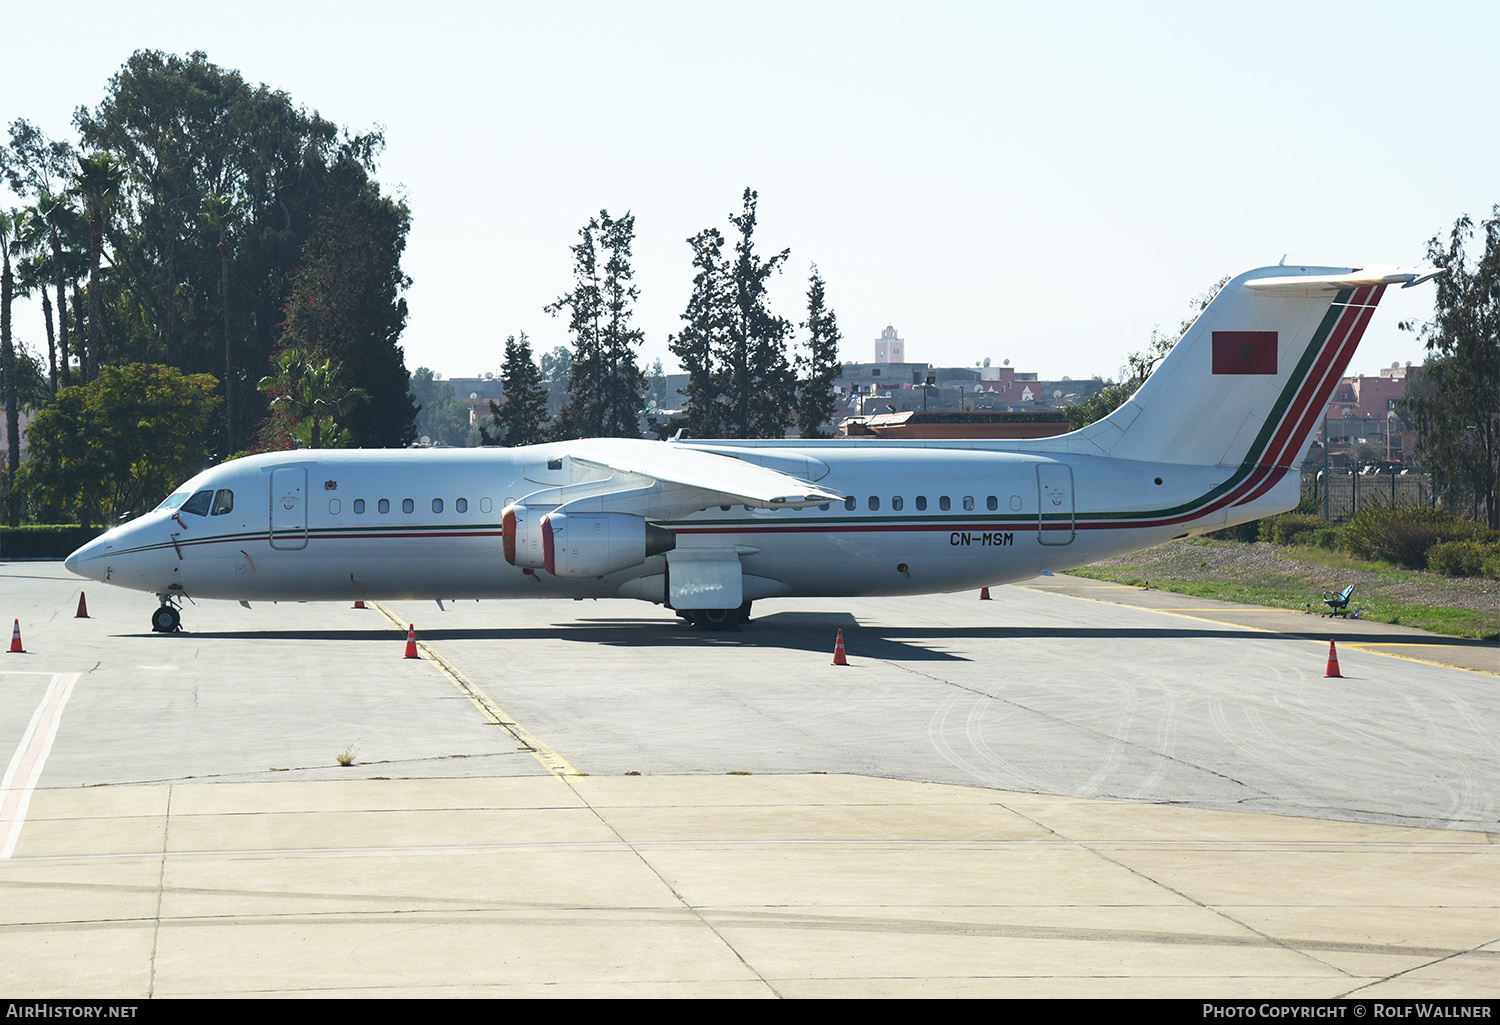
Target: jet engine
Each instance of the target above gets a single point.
(521, 535)
(597, 544)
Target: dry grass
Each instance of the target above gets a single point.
(1294, 578)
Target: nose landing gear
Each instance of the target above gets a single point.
(166, 619)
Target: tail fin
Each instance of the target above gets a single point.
(1247, 383)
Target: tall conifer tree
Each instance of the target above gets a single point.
(607, 383)
(819, 366)
(522, 418)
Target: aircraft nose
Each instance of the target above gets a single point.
(88, 561)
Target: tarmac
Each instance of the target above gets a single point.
(1075, 790)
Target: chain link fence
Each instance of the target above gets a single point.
(1338, 495)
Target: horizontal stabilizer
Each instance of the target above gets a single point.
(1309, 286)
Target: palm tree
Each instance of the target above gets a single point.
(308, 393)
(61, 221)
(38, 166)
(98, 183)
(219, 215)
(10, 224)
(31, 279)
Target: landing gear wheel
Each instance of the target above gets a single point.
(718, 619)
(166, 620)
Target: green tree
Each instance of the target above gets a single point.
(607, 382)
(220, 215)
(118, 444)
(346, 302)
(697, 345)
(306, 394)
(521, 419)
(758, 379)
(41, 168)
(1455, 404)
(312, 244)
(740, 382)
(819, 366)
(442, 417)
(557, 371)
(98, 184)
(9, 227)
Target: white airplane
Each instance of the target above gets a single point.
(1214, 437)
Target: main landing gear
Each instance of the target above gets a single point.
(716, 619)
(167, 619)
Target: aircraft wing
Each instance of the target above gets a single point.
(724, 476)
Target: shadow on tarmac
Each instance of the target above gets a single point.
(806, 631)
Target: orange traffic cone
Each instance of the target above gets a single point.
(411, 641)
(838, 650)
(359, 604)
(1333, 661)
(83, 610)
(984, 594)
(15, 639)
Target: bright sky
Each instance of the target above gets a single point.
(1042, 183)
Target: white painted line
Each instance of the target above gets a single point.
(26, 764)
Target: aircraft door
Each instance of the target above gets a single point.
(289, 507)
(1054, 485)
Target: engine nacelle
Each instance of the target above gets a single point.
(521, 536)
(597, 544)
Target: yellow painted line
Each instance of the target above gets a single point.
(1371, 648)
(550, 759)
(1222, 612)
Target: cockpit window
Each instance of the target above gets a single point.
(173, 501)
(199, 503)
(223, 501)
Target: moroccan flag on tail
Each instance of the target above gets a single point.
(1244, 352)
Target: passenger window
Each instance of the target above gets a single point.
(484, 505)
(437, 505)
(874, 503)
(921, 503)
(333, 506)
(461, 505)
(223, 501)
(824, 507)
(407, 505)
(943, 503)
(359, 507)
(384, 505)
(1015, 503)
(849, 503)
(199, 503)
(969, 503)
(992, 503)
(897, 503)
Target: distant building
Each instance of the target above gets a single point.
(889, 348)
(1362, 409)
(476, 393)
